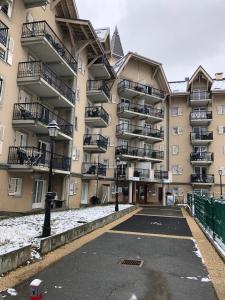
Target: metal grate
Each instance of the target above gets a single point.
(132, 262)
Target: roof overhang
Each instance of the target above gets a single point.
(83, 30)
(200, 69)
(157, 65)
(65, 8)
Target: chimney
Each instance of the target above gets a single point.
(219, 76)
(186, 78)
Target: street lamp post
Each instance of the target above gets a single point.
(117, 183)
(53, 129)
(221, 188)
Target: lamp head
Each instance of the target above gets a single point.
(53, 129)
(220, 172)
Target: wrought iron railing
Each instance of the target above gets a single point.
(200, 95)
(202, 178)
(201, 115)
(94, 169)
(38, 112)
(32, 156)
(96, 112)
(144, 173)
(98, 85)
(141, 152)
(160, 175)
(142, 88)
(104, 60)
(95, 140)
(141, 109)
(3, 34)
(41, 28)
(41, 70)
(208, 136)
(201, 156)
(139, 130)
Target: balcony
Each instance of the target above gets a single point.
(93, 170)
(42, 41)
(201, 158)
(98, 91)
(31, 159)
(200, 118)
(139, 112)
(101, 69)
(3, 35)
(140, 154)
(42, 81)
(36, 117)
(96, 116)
(129, 131)
(201, 139)
(200, 98)
(95, 143)
(200, 179)
(165, 176)
(130, 89)
(35, 3)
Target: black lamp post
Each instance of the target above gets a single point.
(221, 188)
(53, 129)
(117, 183)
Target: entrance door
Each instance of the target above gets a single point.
(39, 194)
(45, 149)
(84, 193)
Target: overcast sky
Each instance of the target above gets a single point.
(181, 34)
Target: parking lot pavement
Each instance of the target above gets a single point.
(159, 211)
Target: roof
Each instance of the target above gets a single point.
(117, 49)
(218, 85)
(102, 34)
(178, 87)
(65, 8)
(124, 60)
(200, 69)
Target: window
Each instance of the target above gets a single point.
(106, 163)
(224, 150)
(2, 131)
(221, 129)
(175, 150)
(10, 51)
(177, 170)
(73, 188)
(20, 139)
(75, 123)
(1, 89)
(75, 153)
(177, 130)
(81, 66)
(7, 8)
(176, 111)
(15, 187)
(78, 94)
(221, 110)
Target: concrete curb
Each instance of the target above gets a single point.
(12, 260)
(51, 243)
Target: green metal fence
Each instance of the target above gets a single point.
(210, 213)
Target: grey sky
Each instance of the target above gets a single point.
(181, 34)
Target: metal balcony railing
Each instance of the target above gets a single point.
(204, 136)
(38, 112)
(98, 85)
(141, 109)
(200, 95)
(142, 88)
(121, 170)
(202, 156)
(41, 70)
(104, 60)
(3, 34)
(144, 173)
(32, 156)
(139, 130)
(201, 115)
(142, 152)
(160, 175)
(97, 169)
(96, 112)
(200, 178)
(95, 140)
(41, 28)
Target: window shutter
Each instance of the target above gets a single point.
(161, 147)
(224, 149)
(10, 51)
(180, 130)
(74, 153)
(2, 132)
(180, 111)
(175, 150)
(219, 110)
(111, 142)
(220, 129)
(114, 100)
(15, 187)
(174, 170)
(78, 94)
(174, 111)
(180, 170)
(18, 187)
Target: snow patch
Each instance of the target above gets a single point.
(12, 292)
(156, 223)
(192, 278)
(205, 279)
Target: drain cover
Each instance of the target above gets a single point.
(132, 262)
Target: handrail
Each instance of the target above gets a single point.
(40, 69)
(200, 95)
(42, 28)
(141, 173)
(99, 85)
(37, 111)
(142, 152)
(96, 111)
(142, 109)
(95, 139)
(208, 135)
(161, 174)
(33, 156)
(201, 115)
(139, 130)
(94, 169)
(201, 156)
(202, 178)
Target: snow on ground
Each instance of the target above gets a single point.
(21, 231)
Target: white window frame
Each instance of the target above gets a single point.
(221, 129)
(177, 130)
(177, 170)
(176, 111)
(17, 183)
(175, 149)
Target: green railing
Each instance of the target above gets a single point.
(210, 213)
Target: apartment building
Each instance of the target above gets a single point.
(109, 108)
(196, 134)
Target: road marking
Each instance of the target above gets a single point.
(178, 217)
(150, 234)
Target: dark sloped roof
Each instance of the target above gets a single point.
(117, 49)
